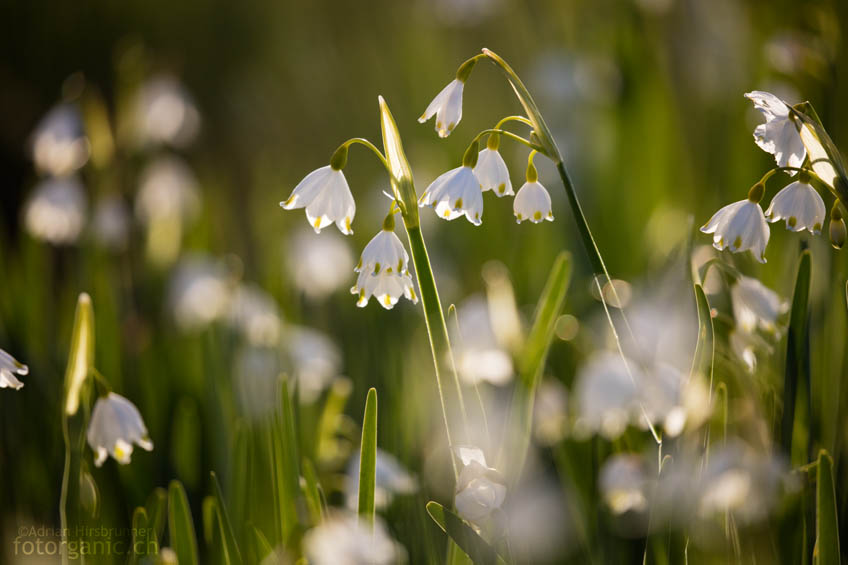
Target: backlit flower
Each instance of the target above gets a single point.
(326, 196)
(755, 305)
(480, 489)
(115, 426)
(455, 193)
(492, 173)
(59, 145)
(479, 355)
(383, 272)
(56, 211)
(9, 367)
(447, 107)
(800, 205)
(532, 203)
(254, 312)
(165, 113)
(778, 135)
(318, 265)
(391, 479)
(739, 227)
(343, 539)
(200, 292)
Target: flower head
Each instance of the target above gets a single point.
(447, 107)
(455, 193)
(59, 144)
(532, 203)
(383, 271)
(165, 113)
(342, 539)
(755, 305)
(480, 488)
(800, 205)
(115, 426)
(326, 196)
(492, 173)
(9, 367)
(56, 211)
(778, 135)
(739, 227)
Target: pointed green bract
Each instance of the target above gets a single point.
(401, 174)
(180, 526)
(368, 459)
(81, 356)
(233, 555)
(157, 510)
(826, 551)
(797, 351)
(463, 535)
(702, 362)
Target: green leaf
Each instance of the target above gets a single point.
(704, 358)
(797, 350)
(368, 458)
(157, 508)
(312, 491)
(227, 535)
(81, 356)
(463, 535)
(532, 364)
(826, 551)
(144, 542)
(210, 521)
(285, 463)
(261, 546)
(180, 526)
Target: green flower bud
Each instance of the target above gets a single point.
(837, 233)
(756, 193)
(339, 158)
(471, 154)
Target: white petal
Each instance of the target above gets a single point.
(532, 203)
(492, 172)
(307, 189)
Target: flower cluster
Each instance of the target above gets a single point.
(789, 135)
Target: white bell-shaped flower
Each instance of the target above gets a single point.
(59, 144)
(343, 539)
(755, 305)
(9, 367)
(492, 172)
(56, 211)
(740, 226)
(532, 203)
(800, 205)
(115, 426)
(447, 107)
(455, 193)
(480, 489)
(383, 271)
(778, 135)
(326, 196)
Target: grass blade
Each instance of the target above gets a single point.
(826, 551)
(797, 353)
(312, 491)
(180, 526)
(368, 458)
(143, 539)
(463, 535)
(262, 548)
(704, 358)
(157, 509)
(226, 528)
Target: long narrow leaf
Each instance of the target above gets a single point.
(226, 527)
(368, 458)
(797, 354)
(826, 551)
(157, 510)
(463, 535)
(180, 526)
(143, 540)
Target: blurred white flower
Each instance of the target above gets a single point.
(392, 479)
(745, 346)
(326, 196)
(606, 395)
(739, 227)
(479, 355)
(383, 272)
(532, 203)
(256, 374)
(455, 193)
(624, 484)
(9, 367)
(168, 189)
(755, 305)
(200, 292)
(59, 144)
(56, 211)
(318, 265)
(165, 113)
(550, 412)
(111, 222)
(492, 173)
(539, 525)
(315, 360)
(342, 539)
(114, 427)
(800, 205)
(480, 489)
(254, 312)
(447, 107)
(778, 135)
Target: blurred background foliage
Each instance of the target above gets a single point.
(644, 97)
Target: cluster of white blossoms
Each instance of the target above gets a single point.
(742, 226)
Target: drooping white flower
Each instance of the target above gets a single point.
(739, 227)
(778, 135)
(9, 367)
(755, 305)
(343, 539)
(479, 355)
(492, 172)
(383, 272)
(115, 426)
(624, 484)
(200, 292)
(167, 190)
(318, 265)
(314, 360)
(480, 489)
(56, 211)
(455, 193)
(326, 196)
(447, 107)
(532, 203)
(255, 313)
(59, 144)
(391, 479)
(607, 398)
(800, 205)
(165, 113)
